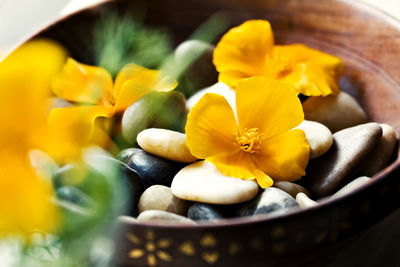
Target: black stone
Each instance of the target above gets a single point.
(271, 200)
(203, 212)
(153, 170)
(125, 154)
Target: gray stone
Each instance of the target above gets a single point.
(166, 110)
(159, 197)
(318, 136)
(291, 188)
(336, 112)
(380, 158)
(203, 212)
(166, 144)
(271, 201)
(200, 72)
(353, 185)
(201, 181)
(350, 148)
(304, 201)
(164, 217)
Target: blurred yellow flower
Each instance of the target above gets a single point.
(92, 88)
(248, 50)
(25, 77)
(261, 144)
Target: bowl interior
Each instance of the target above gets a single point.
(368, 42)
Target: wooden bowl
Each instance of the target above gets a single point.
(367, 40)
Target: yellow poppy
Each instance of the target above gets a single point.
(92, 87)
(261, 144)
(25, 194)
(248, 50)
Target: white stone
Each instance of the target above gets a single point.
(164, 217)
(218, 88)
(160, 197)
(318, 136)
(166, 144)
(336, 112)
(353, 185)
(202, 182)
(304, 201)
(379, 159)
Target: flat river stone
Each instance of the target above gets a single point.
(350, 148)
(153, 170)
(166, 144)
(291, 188)
(160, 197)
(218, 88)
(336, 112)
(202, 182)
(318, 136)
(380, 158)
(164, 217)
(304, 201)
(271, 201)
(203, 212)
(353, 185)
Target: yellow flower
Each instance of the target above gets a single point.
(92, 87)
(25, 77)
(248, 50)
(261, 144)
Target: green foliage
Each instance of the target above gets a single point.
(118, 41)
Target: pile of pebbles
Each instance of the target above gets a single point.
(345, 151)
(172, 186)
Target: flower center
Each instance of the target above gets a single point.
(150, 246)
(249, 141)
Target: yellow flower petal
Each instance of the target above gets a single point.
(284, 157)
(240, 165)
(211, 127)
(39, 58)
(310, 71)
(242, 51)
(268, 105)
(72, 128)
(25, 199)
(134, 81)
(82, 83)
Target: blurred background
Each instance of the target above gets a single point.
(17, 24)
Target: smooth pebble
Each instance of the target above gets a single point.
(350, 148)
(166, 144)
(218, 88)
(201, 181)
(201, 72)
(203, 212)
(153, 170)
(164, 217)
(160, 197)
(271, 201)
(304, 201)
(166, 110)
(336, 112)
(318, 136)
(380, 158)
(291, 188)
(353, 185)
